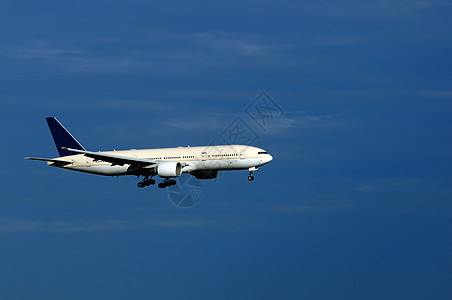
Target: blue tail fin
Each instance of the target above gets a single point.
(62, 137)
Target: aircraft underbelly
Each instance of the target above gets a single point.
(107, 170)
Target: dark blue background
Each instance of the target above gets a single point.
(355, 205)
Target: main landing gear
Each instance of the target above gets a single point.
(146, 182)
(149, 181)
(166, 183)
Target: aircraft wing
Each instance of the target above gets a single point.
(115, 159)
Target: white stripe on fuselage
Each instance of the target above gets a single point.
(228, 157)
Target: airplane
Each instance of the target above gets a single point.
(203, 162)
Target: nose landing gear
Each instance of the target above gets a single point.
(251, 177)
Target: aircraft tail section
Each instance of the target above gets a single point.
(62, 138)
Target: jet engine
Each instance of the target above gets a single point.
(169, 169)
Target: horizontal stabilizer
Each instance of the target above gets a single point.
(56, 161)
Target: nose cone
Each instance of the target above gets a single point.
(270, 158)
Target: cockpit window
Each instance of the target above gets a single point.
(262, 152)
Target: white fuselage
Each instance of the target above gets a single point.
(192, 159)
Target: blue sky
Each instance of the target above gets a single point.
(356, 203)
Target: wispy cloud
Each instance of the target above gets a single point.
(67, 56)
(42, 51)
(302, 120)
(370, 94)
(384, 195)
(441, 94)
(23, 225)
(239, 44)
(367, 9)
(161, 52)
(8, 225)
(17, 225)
(340, 40)
(209, 121)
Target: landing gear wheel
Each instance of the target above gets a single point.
(149, 182)
(251, 178)
(166, 183)
(145, 182)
